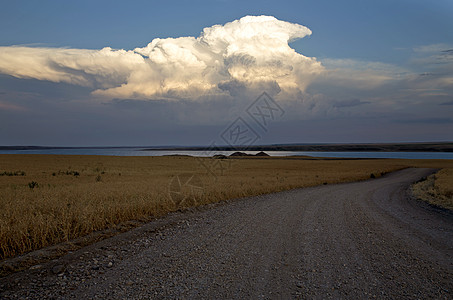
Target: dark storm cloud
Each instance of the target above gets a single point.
(349, 103)
(425, 121)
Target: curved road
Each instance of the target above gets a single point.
(358, 240)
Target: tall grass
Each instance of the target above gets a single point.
(437, 189)
(444, 183)
(75, 195)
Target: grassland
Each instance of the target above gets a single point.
(437, 189)
(47, 199)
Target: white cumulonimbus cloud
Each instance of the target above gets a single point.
(248, 52)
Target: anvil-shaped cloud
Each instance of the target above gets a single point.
(251, 51)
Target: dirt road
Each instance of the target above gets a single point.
(357, 240)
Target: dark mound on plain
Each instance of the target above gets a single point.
(262, 154)
(239, 154)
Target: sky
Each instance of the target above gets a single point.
(151, 73)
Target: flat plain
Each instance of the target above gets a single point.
(48, 199)
(359, 240)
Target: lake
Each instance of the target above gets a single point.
(127, 151)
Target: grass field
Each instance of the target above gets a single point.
(437, 189)
(47, 199)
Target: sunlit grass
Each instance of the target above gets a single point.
(60, 198)
(437, 189)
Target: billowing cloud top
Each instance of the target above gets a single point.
(244, 53)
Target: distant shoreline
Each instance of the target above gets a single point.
(368, 147)
(396, 147)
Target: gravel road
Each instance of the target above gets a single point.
(359, 240)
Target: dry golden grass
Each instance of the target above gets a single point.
(444, 183)
(76, 195)
(437, 189)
